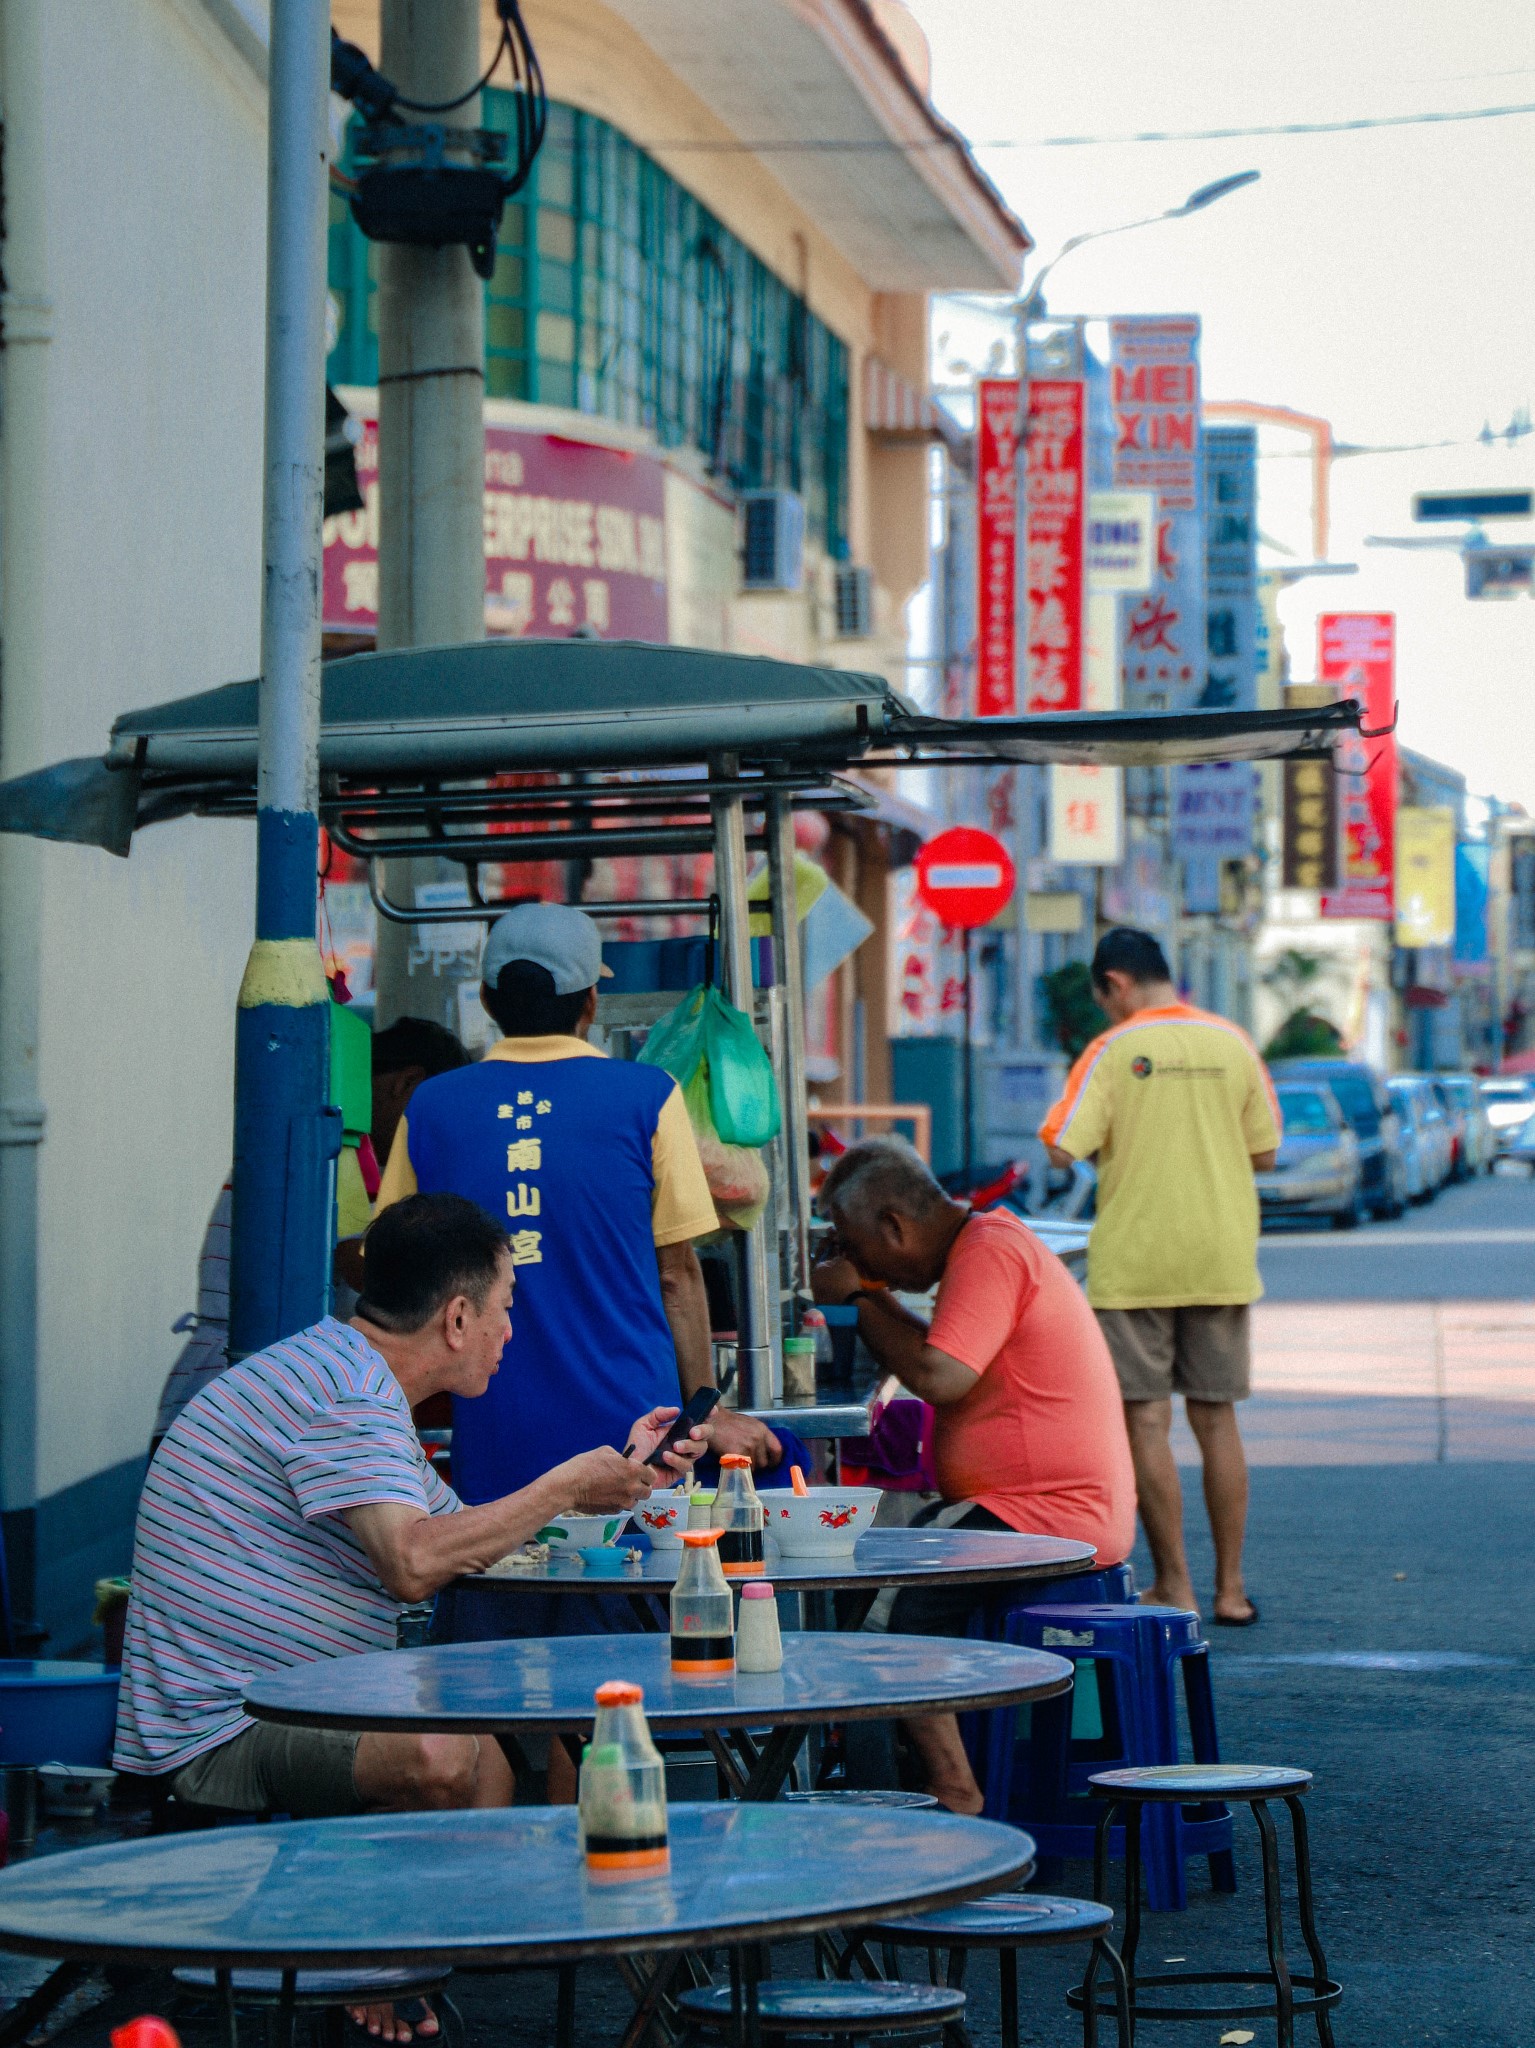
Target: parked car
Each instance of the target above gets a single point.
(1510, 1100)
(1476, 1141)
(1361, 1095)
(1425, 1135)
(1317, 1171)
(1518, 1156)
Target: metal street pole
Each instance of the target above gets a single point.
(286, 1139)
(431, 450)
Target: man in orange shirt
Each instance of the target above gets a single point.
(1176, 1107)
(1029, 1430)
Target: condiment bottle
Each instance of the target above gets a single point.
(739, 1518)
(701, 1508)
(703, 1614)
(622, 1799)
(759, 1646)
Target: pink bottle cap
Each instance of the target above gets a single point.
(759, 1589)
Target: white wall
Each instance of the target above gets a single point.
(156, 199)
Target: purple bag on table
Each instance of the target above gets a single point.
(897, 1454)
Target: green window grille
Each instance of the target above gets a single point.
(615, 292)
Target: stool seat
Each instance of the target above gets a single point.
(809, 2006)
(858, 1795)
(319, 1987)
(1006, 1920)
(1190, 1782)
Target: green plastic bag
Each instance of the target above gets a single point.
(706, 1032)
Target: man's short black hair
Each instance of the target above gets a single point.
(423, 1251)
(524, 1004)
(416, 1042)
(1125, 950)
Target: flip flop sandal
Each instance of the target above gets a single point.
(1237, 1621)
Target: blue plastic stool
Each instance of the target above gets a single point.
(1135, 1655)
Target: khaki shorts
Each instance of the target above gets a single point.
(1203, 1353)
(306, 1772)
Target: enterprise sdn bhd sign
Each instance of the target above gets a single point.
(575, 537)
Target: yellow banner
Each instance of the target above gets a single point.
(1425, 877)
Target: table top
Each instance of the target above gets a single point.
(881, 1557)
(547, 1683)
(500, 1886)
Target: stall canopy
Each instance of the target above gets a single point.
(423, 718)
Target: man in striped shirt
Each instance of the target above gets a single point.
(1177, 1109)
(290, 1511)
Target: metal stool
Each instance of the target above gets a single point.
(1007, 1922)
(841, 2012)
(1253, 1786)
(323, 1994)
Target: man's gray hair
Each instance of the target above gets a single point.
(875, 1175)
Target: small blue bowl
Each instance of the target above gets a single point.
(604, 1560)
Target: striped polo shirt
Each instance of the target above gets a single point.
(242, 1563)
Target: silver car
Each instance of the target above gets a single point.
(1510, 1103)
(1477, 1144)
(1317, 1172)
(1425, 1135)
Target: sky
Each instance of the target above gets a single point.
(1382, 279)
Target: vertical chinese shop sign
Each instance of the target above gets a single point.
(1054, 546)
(1154, 392)
(1356, 653)
(996, 550)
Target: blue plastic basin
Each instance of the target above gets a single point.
(56, 1713)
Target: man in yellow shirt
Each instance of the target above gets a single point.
(1177, 1109)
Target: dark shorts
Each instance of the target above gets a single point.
(943, 1610)
(306, 1772)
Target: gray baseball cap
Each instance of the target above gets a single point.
(548, 935)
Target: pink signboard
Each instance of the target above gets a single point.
(1055, 509)
(575, 538)
(996, 470)
(1356, 653)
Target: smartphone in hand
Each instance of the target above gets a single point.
(700, 1407)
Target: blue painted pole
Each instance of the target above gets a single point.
(286, 1138)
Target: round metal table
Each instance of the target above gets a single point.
(882, 1557)
(503, 1886)
(545, 1685)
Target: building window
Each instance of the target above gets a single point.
(615, 292)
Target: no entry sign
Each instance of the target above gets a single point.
(965, 876)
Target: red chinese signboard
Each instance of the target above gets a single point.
(996, 549)
(964, 876)
(575, 537)
(1055, 522)
(1356, 653)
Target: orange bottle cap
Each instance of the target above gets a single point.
(735, 1458)
(700, 1539)
(620, 1692)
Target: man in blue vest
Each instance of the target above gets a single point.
(593, 1166)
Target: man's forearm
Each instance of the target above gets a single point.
(685, 1301)
(435, 1549)
(895, 1336)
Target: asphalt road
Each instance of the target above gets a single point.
(1473, 1242)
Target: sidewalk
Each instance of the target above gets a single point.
(1388, 1383)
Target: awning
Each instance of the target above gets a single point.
(422, 718)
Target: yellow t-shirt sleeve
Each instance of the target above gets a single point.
(399, 1179)
(1261, 1120)
(353, 1214)
(681, 1207)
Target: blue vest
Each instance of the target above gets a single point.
(559, 1151)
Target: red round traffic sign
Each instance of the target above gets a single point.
(965, 876)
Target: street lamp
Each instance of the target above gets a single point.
(1031, 304)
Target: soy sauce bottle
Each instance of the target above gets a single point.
(622, 1800)
(703, 1613)
(739, 1518)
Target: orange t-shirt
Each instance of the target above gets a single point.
(1040, 1440)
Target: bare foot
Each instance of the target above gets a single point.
(384, 2023)
(959, 1798)
(1239, 1609)
(1171, 1596)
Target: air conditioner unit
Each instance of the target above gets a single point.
(854, 602)
(772, 540)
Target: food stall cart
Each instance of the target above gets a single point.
(653, 750)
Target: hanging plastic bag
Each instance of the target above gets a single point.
(742, 1091)
(681, 1045)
